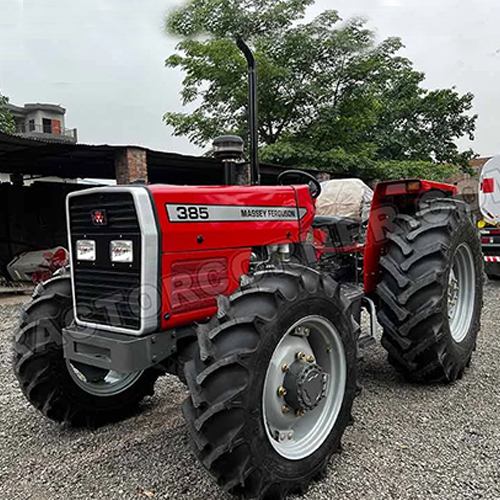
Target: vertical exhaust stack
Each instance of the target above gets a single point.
(252, 111)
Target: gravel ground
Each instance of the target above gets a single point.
(408, 441)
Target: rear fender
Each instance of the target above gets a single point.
(390, 199)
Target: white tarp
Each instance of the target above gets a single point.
(348, 198)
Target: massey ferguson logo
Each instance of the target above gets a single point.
(99, 217)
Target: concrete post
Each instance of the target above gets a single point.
(131, 165)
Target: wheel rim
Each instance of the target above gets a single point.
(110, 383)
(296, 436)
(461, 293)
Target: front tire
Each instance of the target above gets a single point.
(431, 292)
(54, 386)
(284, 330)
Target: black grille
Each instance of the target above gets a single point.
(119, 208)
(108, 297)
(106, 293)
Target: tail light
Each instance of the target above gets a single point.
(406, 187)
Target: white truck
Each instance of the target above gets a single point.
(489, 203)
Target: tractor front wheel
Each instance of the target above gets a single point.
(431, 292)
(63, 391)
(273, 382)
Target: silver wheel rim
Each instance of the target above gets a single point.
(111, 384)
(293, 436)
(461, 293)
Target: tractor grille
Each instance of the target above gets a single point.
(106, 293)
(119, 208)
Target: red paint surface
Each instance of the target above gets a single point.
(202, 260)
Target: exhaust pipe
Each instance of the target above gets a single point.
(252, 112)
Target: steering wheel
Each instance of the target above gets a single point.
(294, 176)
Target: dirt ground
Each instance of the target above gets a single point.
(408, 441)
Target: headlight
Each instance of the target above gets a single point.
(121, 251)
(85, 250)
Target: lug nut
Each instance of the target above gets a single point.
(281, 391)
(284, 367)
(300, 413)
(306, 331)
(310, 358)
(285, 409)
(300, 355)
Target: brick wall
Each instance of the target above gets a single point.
(478, 163)
(130, 165)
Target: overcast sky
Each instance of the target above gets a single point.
(104, 60)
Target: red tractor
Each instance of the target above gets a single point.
(255, 302)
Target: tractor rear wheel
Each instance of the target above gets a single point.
(272, 384)
(431, 292)
(61, 390)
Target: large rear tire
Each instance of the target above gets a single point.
(431, 292)
(257, 363)
(60, 390)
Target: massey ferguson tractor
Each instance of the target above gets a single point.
(253, 296)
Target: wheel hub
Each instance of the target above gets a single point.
(305, 385)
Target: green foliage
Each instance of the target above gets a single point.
(361, 165)
(387, 170)
(230, 18)
(7, 123)
(329, 96)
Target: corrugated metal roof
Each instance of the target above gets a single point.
(31, 156)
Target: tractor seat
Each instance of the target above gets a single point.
(321, 221)
(339, 231)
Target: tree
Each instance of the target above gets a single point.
(329, 96)
(7, 123)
